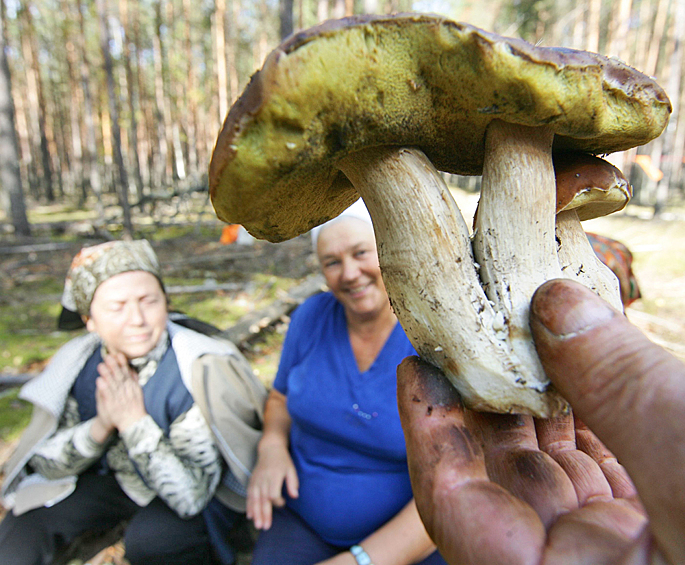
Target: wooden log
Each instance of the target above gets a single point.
(251, 325)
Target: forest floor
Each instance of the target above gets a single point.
(243, 277)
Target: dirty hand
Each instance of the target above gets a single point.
(274, 467)
(118, 396)
(510, 489)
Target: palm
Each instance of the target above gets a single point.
(509, 489)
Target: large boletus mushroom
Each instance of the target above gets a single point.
(371, 106)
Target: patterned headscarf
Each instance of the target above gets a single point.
(94, 265)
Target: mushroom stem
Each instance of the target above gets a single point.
(513, 240)
(428, 269)
(578, 261)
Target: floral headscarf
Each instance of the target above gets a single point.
(94, 265)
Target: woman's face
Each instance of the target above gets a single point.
(129, 313)
(349, 260)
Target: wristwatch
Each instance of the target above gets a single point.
(360, 555)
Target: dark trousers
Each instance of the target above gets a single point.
(290, 541)
(155, 534)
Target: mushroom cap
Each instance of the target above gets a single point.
(590, 185)
(407, 80)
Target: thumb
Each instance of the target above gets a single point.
(629, 391)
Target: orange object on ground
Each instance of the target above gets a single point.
(229, 234)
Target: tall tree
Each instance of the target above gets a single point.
(190, 92)
(114, 117)
(220, 42)
(132, 101)
(10, 177)
(674, 86)
(36, 98)
(94, 176)
(286, 18)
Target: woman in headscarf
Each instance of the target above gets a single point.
(116, 434)
(331, 484)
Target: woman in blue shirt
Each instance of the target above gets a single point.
(331, 483)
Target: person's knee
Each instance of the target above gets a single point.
(149, 545)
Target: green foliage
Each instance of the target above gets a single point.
(14, 415)
(28, 325)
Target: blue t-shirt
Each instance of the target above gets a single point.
(346, 439)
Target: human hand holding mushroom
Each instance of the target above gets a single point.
(371, 106)
(546, 491)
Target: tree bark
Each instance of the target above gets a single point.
(220, 43)
(652, 61)
(190, 94)
(171, 99)
(114, 117)
(75, 107)
(132, 100)
(593, 25)
(669, 166)
(322, 10)
(232, 46)
(89, 118)
(10, 177)
(286, 18)
(162, 172)
(36, 100)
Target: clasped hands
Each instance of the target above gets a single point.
(501, 489)
(118, 397)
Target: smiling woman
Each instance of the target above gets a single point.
(332, 434)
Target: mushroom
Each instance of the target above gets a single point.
(370, 106)
(587, 187)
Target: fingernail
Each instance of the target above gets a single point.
(567, 308)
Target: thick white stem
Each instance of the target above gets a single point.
(578, 261)
(514, 239)
(432, 281)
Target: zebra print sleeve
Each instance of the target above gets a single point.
(183, 469)
(70, 450)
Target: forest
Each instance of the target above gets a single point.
(120, 101)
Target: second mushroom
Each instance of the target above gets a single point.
(371, 106)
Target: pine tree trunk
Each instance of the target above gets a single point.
(669, 136)
(114, 117)
(658, 32)
(322, 10)
(190, 96)
(593, 25)
(36, 101)
(10, 177)
(132, 105)
(89, 118)
(220, 45)
(286, 18)
(75, 106)
(232, 46)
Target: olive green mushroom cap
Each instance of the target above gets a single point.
(407, 80)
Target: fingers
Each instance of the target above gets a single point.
(628, 390)
(600, 532)
(292, 482)
(115, 368)
(514, 461)
(449, 481)
(266, 490)
(619, 481)
(260, 503)
(557, 437)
